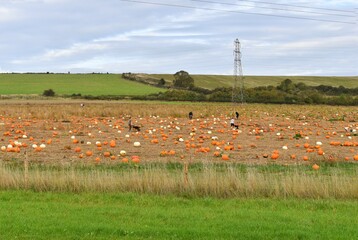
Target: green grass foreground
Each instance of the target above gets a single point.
(85, 84)
(36, 215)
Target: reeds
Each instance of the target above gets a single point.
(208, 182)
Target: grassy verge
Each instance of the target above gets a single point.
(201, 180)
(36, 215)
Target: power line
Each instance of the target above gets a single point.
(298, 6)
(274, 8)
(240, 12)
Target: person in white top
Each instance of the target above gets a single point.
(232, 123)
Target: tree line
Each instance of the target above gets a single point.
(287, 92)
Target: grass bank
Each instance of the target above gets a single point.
(39, 215)
(200, 180)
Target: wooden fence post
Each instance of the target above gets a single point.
(26, 170)
(186, 169)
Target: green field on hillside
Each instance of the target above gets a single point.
(114, 84)
(85, 84)
(47, 215)
(214, 81)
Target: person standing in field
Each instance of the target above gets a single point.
(232, 123)
(237, 115)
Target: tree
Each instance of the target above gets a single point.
(161, 82)
(182, 79)
(286, 86)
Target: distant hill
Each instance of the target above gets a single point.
(214, 81)
(114, 84)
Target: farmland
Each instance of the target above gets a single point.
(113, 84)
(67, 84)
(69, 172)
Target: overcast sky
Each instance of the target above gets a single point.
(196, 36)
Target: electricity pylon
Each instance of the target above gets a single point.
(238, 75)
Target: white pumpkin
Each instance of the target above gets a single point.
(136, 144)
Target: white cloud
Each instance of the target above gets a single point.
(7, 14)
(75, 49)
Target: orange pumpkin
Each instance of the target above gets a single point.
(274, 155)
(112, 143)
(107, 154)
(315, 167)
(38, 149)
(135, 159)
(217, 154)
(229, 147)
(154, 141)
(225, 157)
(89, 153)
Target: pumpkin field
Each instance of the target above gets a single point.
(46, 144)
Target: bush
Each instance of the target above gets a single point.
(48, 93)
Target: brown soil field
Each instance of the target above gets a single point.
(266, 133)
